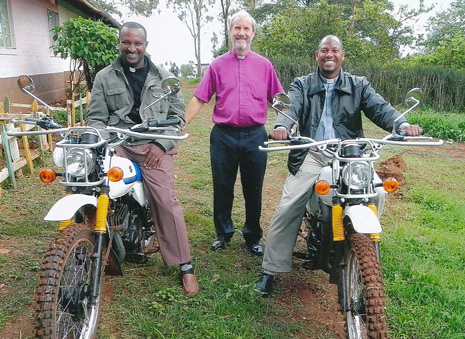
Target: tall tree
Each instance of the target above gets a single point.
(225, 12)
(446, 24)
(138, 7)
(193, 13)
(368, 27)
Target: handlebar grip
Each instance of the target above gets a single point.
(31, 119)
(162, 123)
(403, 132)
(52, 124)
(45, 123)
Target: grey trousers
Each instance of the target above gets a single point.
(287, 219)
(166, 209)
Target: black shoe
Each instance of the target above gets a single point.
(265, 285)
(255, 248)
(219, 244)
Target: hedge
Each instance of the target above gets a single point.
(444, 88)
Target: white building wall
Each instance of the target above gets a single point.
(32, 54)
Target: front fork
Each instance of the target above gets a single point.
(100, 232)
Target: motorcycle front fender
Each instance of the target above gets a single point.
(363, 219)
(66, 208)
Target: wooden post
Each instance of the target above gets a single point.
(81, 114)
(27, 150)
(42, 138)
(9, 160)
(49, 136)
(6, 105)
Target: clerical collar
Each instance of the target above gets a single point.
(240, 57)
(329, 81)
(132, 69)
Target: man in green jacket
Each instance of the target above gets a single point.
(327, 104)
(121, 95)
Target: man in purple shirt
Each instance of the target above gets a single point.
(243, 82)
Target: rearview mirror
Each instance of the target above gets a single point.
(413, 97)
(281, 101)
(26, 84)
(171, 85)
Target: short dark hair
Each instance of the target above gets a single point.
(132, 24)
(330, 37)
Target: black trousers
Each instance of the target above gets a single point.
(233, 148)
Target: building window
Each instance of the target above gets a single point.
(52, 22)
(6, 35)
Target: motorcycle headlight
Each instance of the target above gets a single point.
(59, 156)
(80, 162)
(356, 175)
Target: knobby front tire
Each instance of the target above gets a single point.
(64, 285)
(365, 317)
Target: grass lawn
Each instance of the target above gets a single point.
(422, 254)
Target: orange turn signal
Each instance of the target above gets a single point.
(115, 174)
(47, 175)
(322, 187)
(390, 185)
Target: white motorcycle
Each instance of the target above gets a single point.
(105, 218)
(341, 224)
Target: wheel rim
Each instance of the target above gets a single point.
(74, 317)
(356, 316)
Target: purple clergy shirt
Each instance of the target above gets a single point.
(242, 87)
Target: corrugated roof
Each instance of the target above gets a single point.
(86, 7)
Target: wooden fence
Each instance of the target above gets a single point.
(14, 157)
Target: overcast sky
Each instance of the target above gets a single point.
(170, 40)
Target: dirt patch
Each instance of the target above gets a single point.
(393, 167)
(314, 301)
(20, 329)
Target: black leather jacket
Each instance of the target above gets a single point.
(351, 95)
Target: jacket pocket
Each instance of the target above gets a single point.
(117, 98)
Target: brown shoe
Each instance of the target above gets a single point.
(189, 284)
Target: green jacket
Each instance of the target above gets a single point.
(112, 100)
(351, 95)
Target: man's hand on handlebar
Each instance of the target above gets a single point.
(280, 134)
(412, 130)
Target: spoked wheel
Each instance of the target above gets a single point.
(365, 317)
(63, 308)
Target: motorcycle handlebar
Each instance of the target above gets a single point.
(163, 123)
(306, 143)
(45, 123)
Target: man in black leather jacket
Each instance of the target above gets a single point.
(327, 104)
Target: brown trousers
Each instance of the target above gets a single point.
(166, 209)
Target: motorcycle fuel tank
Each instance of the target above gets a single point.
(132, 180)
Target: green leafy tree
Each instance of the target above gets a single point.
(445, 25)
(450, 53)
(187, 70)
(91, 45)
(138, 7)
(296, 31)
(369, 29)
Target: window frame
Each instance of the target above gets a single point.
(52, 29)
(6, 23)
